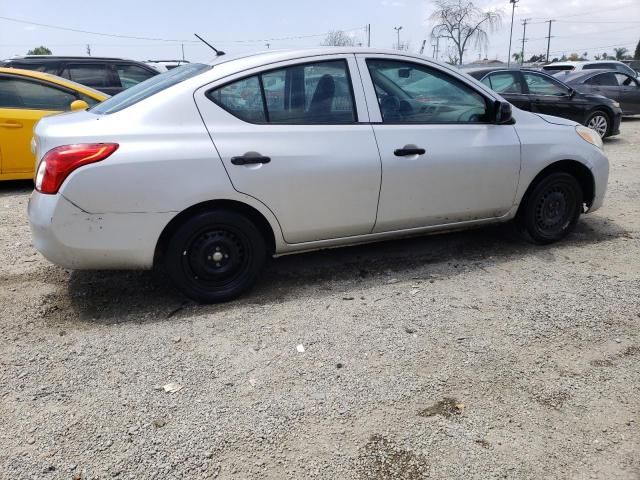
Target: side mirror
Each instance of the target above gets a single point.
(79, 105)
(503, 113)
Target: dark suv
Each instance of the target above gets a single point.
(109, 75)
(538, 92)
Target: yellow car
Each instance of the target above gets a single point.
(25, 97)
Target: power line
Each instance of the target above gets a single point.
(172, 40)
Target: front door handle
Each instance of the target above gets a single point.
(408, 150)
(250, 158)
(10, 124)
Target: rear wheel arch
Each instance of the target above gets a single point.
(228, 205)
(580, 171)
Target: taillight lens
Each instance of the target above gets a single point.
(59, 162)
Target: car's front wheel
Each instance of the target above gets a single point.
(598, 121)
(215, 256)
(550, 211)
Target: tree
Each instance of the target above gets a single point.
(636, 55)
(41, 50)
(585, 56)
(464, 24)
(338, 38)
(620, 52)
(537, 58)
(517, 57)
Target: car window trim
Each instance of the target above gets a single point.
(489, 102)
(44, 83)
(259, 74)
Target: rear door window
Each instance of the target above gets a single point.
(605, 80)
(93, 75)
(131, 75)
(304, 94)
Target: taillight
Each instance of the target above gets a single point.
(59, 162)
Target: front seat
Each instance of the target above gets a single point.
(320, 108)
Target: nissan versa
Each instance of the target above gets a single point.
(206, 170)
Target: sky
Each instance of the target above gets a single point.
(241, 26)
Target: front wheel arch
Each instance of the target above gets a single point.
(580, 171)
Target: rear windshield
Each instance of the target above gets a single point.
(148, 88)
(558, 67)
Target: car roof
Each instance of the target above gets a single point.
(574, 63)
(571, 76)
(47, 77)
(55, 58)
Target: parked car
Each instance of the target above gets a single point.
(164, 65)
(25, 97)
(108, 75)
(620, 87)
(634, 64)
(590, 65)
(195, 172)
(538, 92)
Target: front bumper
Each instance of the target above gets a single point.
(615, 124)
(72, 238)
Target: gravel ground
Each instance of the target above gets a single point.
(461, 356)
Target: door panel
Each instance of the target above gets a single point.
(16, 131)
(629, 94)
(322, 180)
(469, 169)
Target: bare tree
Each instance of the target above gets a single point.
(338, 38)
(464, 23)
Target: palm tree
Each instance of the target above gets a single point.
(620, 52)
(517, 56)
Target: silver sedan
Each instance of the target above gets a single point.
(206, 170)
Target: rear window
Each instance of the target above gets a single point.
(558, 67)
(148, 88)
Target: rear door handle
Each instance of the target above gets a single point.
(250, 159)
(11, 125)
(409, 150)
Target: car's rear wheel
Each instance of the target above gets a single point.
(598, 121)
(551, 209)
(215, 256)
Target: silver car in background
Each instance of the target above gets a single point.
(206, 170)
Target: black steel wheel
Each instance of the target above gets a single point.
(215, 256)
(551, 210)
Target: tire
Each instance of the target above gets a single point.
(599, 121)
(551, 209)
(215, 256)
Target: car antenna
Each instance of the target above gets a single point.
(218, 52)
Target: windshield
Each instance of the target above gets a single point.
(148, 88)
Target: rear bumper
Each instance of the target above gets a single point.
(75, 239)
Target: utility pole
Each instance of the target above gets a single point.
(368, 34)
(524, 38)
(182, 45)
(549, 38)
(88, 49)
(424, 42)
(513, 11)
(397, 29)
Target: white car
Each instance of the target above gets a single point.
(578, 66)
(206, 170)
